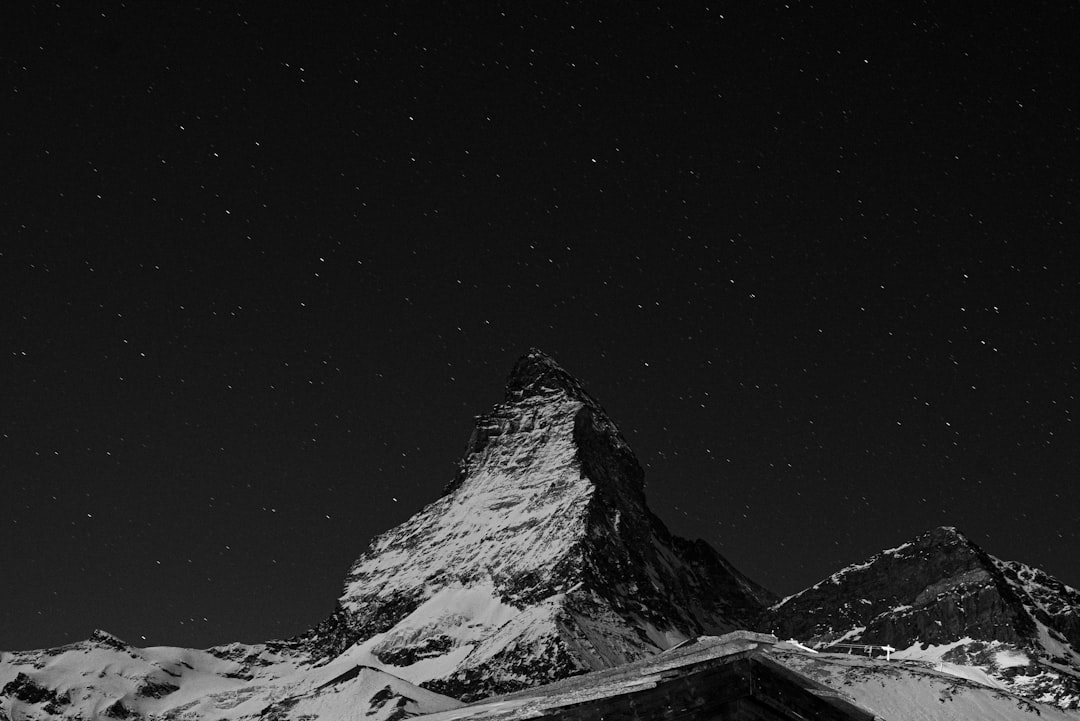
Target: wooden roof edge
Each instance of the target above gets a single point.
(705, 649)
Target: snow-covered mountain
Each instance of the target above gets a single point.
(941, 600)
(540, 561)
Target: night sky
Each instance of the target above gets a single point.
(260, 269)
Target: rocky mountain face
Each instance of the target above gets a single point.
(941, 599)
(541, 560)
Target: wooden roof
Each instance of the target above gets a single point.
(726, 678)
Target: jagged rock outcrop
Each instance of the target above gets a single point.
(30, 692)
(541, 559)
(941, 598)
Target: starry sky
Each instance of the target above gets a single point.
(261, 267)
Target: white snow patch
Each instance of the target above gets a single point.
(851, 633)
(1007, 658)
(927, 652)
(895, 551)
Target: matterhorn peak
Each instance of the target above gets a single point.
(945, 533)
(537, 373)
(540, 560)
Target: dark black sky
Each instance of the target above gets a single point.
(260, 268)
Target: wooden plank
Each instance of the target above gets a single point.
(693, 696)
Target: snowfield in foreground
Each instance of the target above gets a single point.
(103, 677)
(915, 691)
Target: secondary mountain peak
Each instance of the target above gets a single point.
(897, 587)
(940, 597)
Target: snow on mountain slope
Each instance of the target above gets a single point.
(540, 560)
(943, 601)
(104, 677)
(363, 694)
(910, 691)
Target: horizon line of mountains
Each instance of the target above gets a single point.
(541, 560)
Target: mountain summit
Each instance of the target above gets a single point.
(541, 559)
(537, 373)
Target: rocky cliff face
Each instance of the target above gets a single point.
(940, 598)
(935, 589)
(541, 560)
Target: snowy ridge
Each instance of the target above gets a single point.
(105, 678)
(838, 577)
